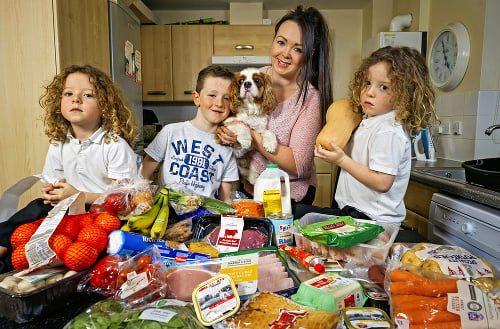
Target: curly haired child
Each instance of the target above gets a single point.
(393, 90)
(91, 131)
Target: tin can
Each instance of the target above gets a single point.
(272, 202)
(282, 224)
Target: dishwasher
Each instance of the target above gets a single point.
(467, 224)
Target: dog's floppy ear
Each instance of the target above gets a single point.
(269, 101)
(234, 93)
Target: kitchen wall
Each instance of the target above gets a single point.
(474, 103)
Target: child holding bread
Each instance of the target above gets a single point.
(392, 89)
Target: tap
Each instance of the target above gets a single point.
(490, 129)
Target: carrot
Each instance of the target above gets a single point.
(431, 288)
(426, 316)
(402, 275)
(415, 302)
(439, 325)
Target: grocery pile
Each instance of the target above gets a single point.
(186, 261)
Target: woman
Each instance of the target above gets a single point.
(300, 75)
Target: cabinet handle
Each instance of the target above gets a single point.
(243, 47)
(188, 92)
(157, 92)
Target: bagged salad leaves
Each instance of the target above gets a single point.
(160, 314)
(340, 232)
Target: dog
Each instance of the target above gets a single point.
(251, 100)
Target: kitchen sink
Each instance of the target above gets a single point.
(454, 173)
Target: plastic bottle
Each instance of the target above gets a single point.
(270, 179)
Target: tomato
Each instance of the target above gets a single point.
(149, 269)
(143, 261)
(105, 273)
(123, 274)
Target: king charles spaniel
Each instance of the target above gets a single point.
(251, 101)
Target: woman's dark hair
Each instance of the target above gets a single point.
(316, 50)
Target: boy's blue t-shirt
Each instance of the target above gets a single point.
(192, 159)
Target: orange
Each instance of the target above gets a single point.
(22, 234)
(95, 236)
(18, 258)
(59, 243)
(108, 222)
(80, 256)
(69, 227)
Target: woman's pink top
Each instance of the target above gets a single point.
(296, 125)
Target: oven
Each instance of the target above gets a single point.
(465, 223)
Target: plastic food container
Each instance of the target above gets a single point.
(375, 249)
(25, 307)
(208, 223)
(365, 317)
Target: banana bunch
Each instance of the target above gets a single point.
(153, 222)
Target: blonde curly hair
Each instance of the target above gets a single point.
(116, 118)
(413, 96)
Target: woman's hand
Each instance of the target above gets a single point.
(336, 156)
(226, 136)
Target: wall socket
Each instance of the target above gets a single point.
(456, 128)
(445, 128)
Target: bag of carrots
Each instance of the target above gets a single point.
(421, 303)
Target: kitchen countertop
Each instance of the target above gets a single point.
(452, 186)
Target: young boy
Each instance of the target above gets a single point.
(190, 157)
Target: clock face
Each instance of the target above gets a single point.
(444, 56)
(449, 56)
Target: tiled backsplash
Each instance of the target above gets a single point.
(476, 111)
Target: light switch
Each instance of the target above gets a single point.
(445, 128)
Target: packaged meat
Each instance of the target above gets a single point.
(257, 232)
(259, 270)
(365, 317)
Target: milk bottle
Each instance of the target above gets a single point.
(270, 179)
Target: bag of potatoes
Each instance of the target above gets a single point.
(342, 118)
(435, 261)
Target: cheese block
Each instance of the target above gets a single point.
(330, 292)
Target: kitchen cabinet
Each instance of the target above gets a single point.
(326, 174)
(417, 201)
(156, 44)
(192, 49)
(243, 40)
(44, 36)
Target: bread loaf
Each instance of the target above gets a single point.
(341, 120)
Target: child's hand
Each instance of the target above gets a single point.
(336, 156)
(59, 191)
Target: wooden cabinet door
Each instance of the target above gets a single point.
(156, 44)
(325, 175)
(192, 49)
(244, 40)
(83, 33)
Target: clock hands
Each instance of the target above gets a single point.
(445, 57)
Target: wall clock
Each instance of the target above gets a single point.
(449, 56)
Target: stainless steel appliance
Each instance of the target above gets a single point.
(125, 48)
(465, 223)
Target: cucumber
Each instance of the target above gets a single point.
(216, 206)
